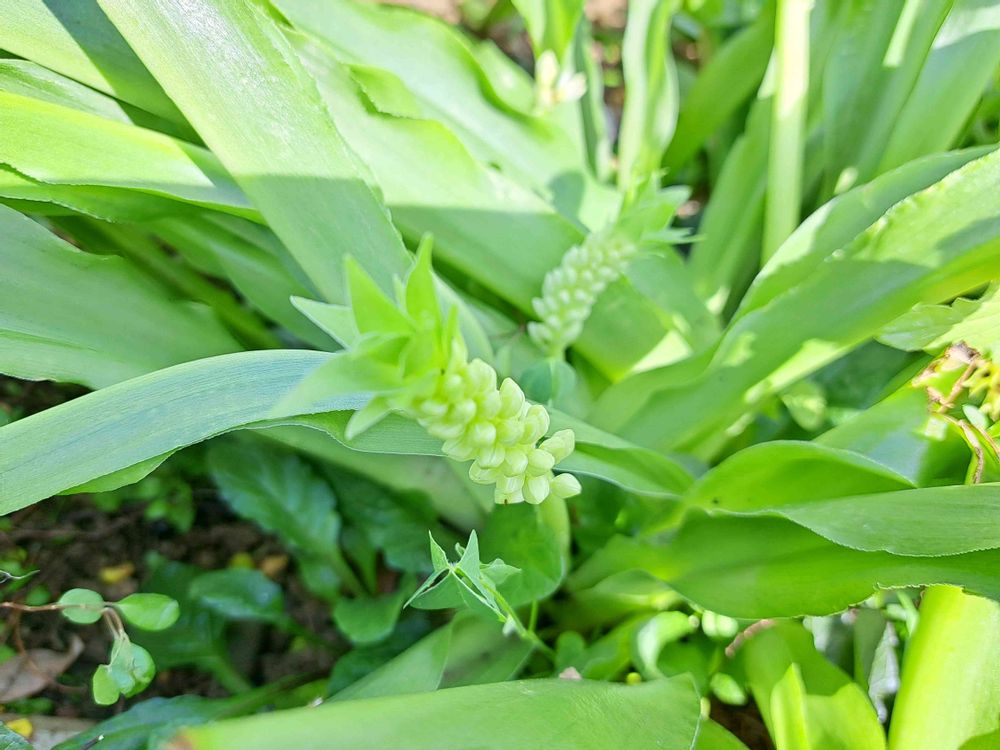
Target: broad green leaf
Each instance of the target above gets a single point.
(949, 698)
(723, 262)
(907, 522)
(556, 714)
(837, 222)
(67, 445)
(605, 456)
(149, 611)
(179, 278)
(419, 669)
(961, 61)
(771, 475)
(109, 204)
(87, 606)
(254, 267)
(30, 79)
(287, 497)
(64, 146)
(257, 110)
(434, 482)
(75, 38)
(535, 539)
(759, 567)
(900, 433)
(805, 700)
(437, 64)
(481, 653)
(665, 280)
(62, 313)
(131, 730)
(935, 327)
(712, 736)
(240, 594)
(651, 96)
(11, 740)
(369, 619)
(278, 491)
(934, 245)
(396, 523)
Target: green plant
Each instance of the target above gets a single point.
(130, 668)
(744, 371)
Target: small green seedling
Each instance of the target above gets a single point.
(130, 668)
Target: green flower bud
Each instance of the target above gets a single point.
(565, 485)
(560, 445)
(495, 428)
(570, 290)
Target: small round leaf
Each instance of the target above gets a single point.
(83, 606)
(104, 686)
(149, 611)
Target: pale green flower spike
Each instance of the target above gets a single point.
(454, 399)
(570, 290)
(495, 428)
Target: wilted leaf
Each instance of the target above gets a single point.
(26, 674)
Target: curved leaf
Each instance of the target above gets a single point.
(756, 567)
(802, 694)
(62, 314)
(555, 714)
(145, 417)
(56, 144)
(922, 522)
(237, 80)
(934, 245)
(771, 475)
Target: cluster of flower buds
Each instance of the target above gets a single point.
(495, 428)
(570, 290)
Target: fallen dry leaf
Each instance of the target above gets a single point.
(23, 675)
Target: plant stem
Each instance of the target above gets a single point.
(787, 140)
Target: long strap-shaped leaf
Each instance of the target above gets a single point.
(141, 419)
(484, 223)
(436, 63)
(934, 245)
(89, 319)
(76, 39)
(237, 80)
(554, 714)
(65, 146)
(770, 567)
(652, 99)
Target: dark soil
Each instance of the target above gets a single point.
(74, 544)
